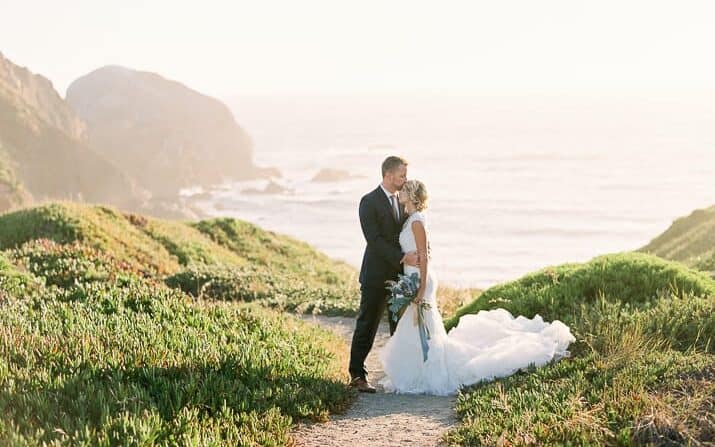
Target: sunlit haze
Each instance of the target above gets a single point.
(245, 47)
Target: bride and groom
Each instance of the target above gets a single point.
(481, 347)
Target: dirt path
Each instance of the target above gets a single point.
(381, 419)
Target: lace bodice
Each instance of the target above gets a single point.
(407, 237)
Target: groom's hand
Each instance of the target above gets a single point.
(411, 258)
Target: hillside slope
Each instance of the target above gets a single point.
(221, 258)
(121, 329)
(690, 240)
(641, 372)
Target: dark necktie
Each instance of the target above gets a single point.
(395, 209)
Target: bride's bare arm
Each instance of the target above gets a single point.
(421, 239)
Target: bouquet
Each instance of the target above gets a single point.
(403, 293)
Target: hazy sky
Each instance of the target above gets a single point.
(259, 46)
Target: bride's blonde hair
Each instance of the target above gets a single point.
(416, 193)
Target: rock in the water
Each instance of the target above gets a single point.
(331, 175)
(271, 188)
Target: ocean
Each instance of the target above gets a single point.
(517, 181)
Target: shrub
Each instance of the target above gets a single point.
(65, 265)
(643, 326)
(276, 289)
(136, 364)
(633, 279)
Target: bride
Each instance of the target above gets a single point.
(481, 347)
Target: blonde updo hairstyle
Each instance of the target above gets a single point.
(416, 193)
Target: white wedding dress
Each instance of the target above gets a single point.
(481, 347)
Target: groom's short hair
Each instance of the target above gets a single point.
(391, 163)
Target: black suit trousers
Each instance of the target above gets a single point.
(373, 302)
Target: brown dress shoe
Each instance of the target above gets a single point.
(362, 385)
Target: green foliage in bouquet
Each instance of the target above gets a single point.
(403, 292)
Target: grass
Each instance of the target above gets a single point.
(103, 228)
(641, 370)
(103, 341)
(634, 279)
(97, 349)
(139, 365)
(187, 244)
(13, 281)
(449, 299)
(264, 248)
(690, 240)
(278, 290)
(240, 261)
(120, 329)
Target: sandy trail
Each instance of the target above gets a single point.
(381, 419)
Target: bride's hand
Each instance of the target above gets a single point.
(419, 298)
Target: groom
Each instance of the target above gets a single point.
(381, 219)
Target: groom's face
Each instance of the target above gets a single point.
(398, 177)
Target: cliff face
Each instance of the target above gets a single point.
(126, 138)
(690, 240)
(12, 191)
(44, 148)
(161, 132)
(35, 99)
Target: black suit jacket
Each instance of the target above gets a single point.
(381, 261)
